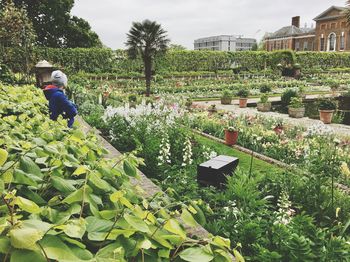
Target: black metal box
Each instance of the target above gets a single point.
(213, 172)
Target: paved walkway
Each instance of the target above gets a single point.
(341, 130)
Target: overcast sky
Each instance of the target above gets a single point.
(187, 20)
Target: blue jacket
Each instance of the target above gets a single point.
(59, 104)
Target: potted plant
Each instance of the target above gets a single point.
(243, 94)
(226, 97)
(296, 108)
(278, 128)
(212, 108)
(231, 136)
(264, 105)
(326, 108)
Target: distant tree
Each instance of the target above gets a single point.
(176, 47)
(16, 31)
(347, 11)
(15, 27)
(147, 39)
(255, 47)
(54, 25)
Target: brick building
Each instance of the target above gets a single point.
(291, 37)
(332, 30)
(332, 33)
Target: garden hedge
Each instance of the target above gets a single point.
(97, 60)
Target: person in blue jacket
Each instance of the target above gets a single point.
(58, 101)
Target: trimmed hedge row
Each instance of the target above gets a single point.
(97, 60)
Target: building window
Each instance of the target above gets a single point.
(331, 42)
(343, 24)
(305, 48)
(297, 45)
(322, 44)
(323, 27)
(342, 42)
(333, 25)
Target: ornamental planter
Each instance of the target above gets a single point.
(326, 116)
(278, 129)
(296, 112)
(226, 100)
(264, 107)
(231, 137)
(243, 102)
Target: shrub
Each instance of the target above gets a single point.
(243, 92)
(327, 104)
(264, 99)
(226, 94)
(265, 88)
(287, 96)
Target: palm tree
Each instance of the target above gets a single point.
(146, 39)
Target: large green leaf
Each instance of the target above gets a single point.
(59, 251)
(27, 165)
(20, 177)
(174, 226)
(110, 252)
(129, 169)
(27, 205)
(62, 185)
(25, 238)
(136, 223)
(4, 244)
(188, 218)
(196, 254)
(75, 228)
(3, 156)
(95, 224)
(27, 255)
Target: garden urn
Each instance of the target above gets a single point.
(326, 116)
(243, 102)
(296, 112)
(231, 137)
(226, 100)
(264, 107)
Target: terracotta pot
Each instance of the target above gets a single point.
(264, 107)
(326, 116)
(243, 102)
(226, 100)
(278, 130)
(231, 137)
(296, 112)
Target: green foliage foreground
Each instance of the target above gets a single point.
(62, 201)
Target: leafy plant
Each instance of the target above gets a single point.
(243, 93)
(264, 98)
(296, 102)
(265, 88)
(287, 96)
(327, 104)
(226, 94)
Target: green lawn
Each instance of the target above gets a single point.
(244, 159)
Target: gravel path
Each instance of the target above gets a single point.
(341, 130)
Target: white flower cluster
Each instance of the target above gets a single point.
(208, 153)
(319, 129)
(284, 212)
(164, 152)
(187, 153)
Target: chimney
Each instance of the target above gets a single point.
(296, 21)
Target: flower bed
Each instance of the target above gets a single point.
(256, 210)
